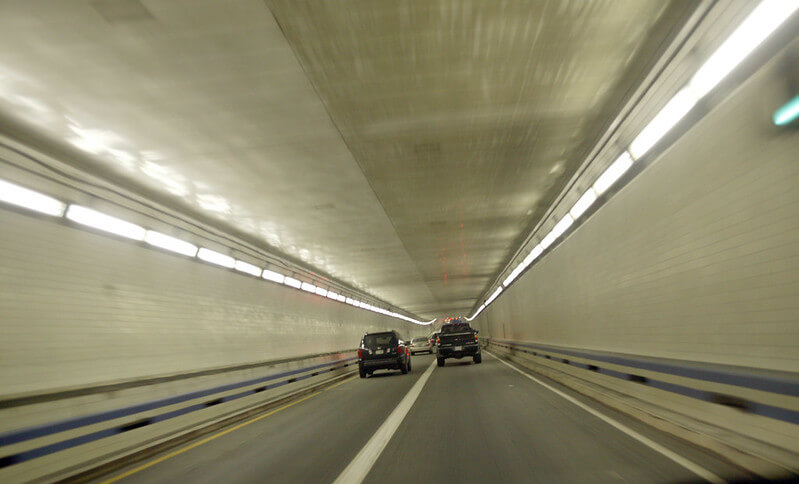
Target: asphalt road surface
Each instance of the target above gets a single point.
(468, 423)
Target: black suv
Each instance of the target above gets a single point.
(383, 351)
(457, 340)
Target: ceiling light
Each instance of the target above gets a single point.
(169, 243)
(341, 298)
(787, 113)
(563, 225)
(242, 266)
(305, 286)
(106, 223)
(533, 255)
(613, 172)
(321, 292)
(22, 197)
(350, 301)
(579, 208)
(332, 295)
(273, 276)
(290, 281)
(671, 114)
(548, 239)
(494, 295)
(479, 310)
(217, 258)
(763, 20)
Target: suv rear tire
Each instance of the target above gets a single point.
(361, 372)
(440, 361)
(478, 358)
(404, 368)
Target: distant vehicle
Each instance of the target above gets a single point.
(421, 345)
(433, 340)
(383, 351)
(457, 340)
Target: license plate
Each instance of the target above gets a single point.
(458, 348)
(379, 352)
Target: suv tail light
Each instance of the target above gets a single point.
(360, 354)
(400, 349)
(438, 341)
(475, 337)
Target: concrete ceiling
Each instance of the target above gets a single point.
(403, 147)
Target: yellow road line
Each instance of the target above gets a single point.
(226, 431)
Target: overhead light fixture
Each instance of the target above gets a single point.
(763, 20)
(217, 258)
(561, 227)
(341, 298)
(479, 310)
(332, 295)
(291, 282)
(321, 292)
(308, 287)
(548, 239)
(349, 301)
(273, 276)
(579, 208)
(787, 113)
(31, 200)
(613, 172)
(106, 223)
(496, 294)
(172, 244)
(664, 120)
(533, 255)
(247, 268)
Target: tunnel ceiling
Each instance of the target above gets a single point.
(403, 147)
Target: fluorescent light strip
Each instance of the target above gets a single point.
(763, 20)
(533, 255)
(561, 227)
(106, 223)
(613, 173)
(247, 268)
(496, 294)
(172, 244)
(666, 118)
(579, 208)
(31, 200)
(217, 258)
(273, 276)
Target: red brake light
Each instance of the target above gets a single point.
(360, 353)
(475, 338)
(438, 341)
(400, 349)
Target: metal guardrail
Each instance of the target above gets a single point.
(194, 401)
(779, 383)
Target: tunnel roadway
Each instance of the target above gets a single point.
(469, 423)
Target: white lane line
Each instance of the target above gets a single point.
(362, 463)
(691, 466)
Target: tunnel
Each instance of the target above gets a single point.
(345, 241)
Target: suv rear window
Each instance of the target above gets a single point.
(455, 328)
(380, 340)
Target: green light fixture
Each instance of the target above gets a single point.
(787, 113)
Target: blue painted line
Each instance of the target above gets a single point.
(770, 411)
(22, 435)
(83, 439)
(772, 384)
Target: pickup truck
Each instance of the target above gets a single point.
(457, 340)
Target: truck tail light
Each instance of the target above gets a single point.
(400, 349)
(438, 341)
(360, 354)
(475, 338)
